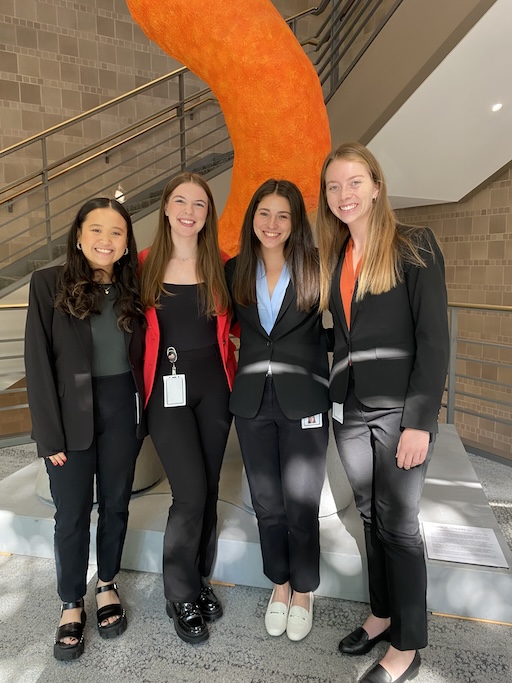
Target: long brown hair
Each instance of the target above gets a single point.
(209, 268)
(386, 247)
(300, 252)
(78, 291)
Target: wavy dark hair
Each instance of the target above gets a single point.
(79, 292)
(300, 252)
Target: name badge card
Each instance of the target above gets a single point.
(175, 385)
(175, 391)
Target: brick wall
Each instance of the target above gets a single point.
(476, 238)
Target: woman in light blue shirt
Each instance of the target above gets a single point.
(280, 395)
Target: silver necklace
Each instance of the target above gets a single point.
(107, 287)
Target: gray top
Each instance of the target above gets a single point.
(109, 354)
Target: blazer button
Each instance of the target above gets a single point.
(269, 343)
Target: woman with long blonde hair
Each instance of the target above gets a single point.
(188, 373)
(384, 285)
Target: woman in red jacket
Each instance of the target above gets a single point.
(188, 373)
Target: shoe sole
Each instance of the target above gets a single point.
(115, 629)
(68, 654)
(209, 617)
(192, 640)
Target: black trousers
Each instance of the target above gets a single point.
(285, 467)
(190, 441)
(111, 457)
(387, 498)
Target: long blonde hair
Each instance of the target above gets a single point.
(386, 248)
(209, 269)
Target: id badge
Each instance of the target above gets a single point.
(312, 421)
(337, 412)
(175, 391)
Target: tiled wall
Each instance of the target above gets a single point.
(476, 238)
(59, 58)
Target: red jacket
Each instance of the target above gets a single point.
(226, 346)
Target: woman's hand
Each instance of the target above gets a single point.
(57, 459)
(412, 448)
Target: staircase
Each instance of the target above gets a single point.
(137, 158)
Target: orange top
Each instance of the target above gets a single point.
(348, 280)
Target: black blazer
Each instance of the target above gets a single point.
(296, 346)
(398, 342)
(58, 361)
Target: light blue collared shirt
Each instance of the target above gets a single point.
(268, 307)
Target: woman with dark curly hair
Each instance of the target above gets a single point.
(83, 356)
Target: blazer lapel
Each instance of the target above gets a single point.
(354, 307)
(83, 332)
(289, 297)
(252, 314)
(336, 294)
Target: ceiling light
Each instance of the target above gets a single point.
(496, 107)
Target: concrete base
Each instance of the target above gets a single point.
(453, 495)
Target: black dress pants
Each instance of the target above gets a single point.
(387, 498)
(285, 467)
(190, 441)
(111, 457)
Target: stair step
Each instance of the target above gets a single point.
(59, 250)
(34, 264)
(6, 280)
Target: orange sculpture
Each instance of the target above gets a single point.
(266, 86)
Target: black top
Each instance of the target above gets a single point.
(109, 353)
(181, 322)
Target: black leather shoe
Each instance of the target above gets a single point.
(378, 673)
(359, 643)
(188, 621)
(209, 604)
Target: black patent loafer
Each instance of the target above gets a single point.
(359, 643)
(209, 604)
(188, 621)
(378, 673)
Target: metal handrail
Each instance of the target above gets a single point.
(483, 307)
(35, 184)
(95, 110)
(451, 389)
(104, 150)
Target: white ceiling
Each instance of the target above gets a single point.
(445, 140)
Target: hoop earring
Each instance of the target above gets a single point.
(126, 251)
(79, 246)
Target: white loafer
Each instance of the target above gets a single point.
(276, 617)
(300, 621)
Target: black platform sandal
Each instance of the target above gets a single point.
(114, 610)
(63, 651)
